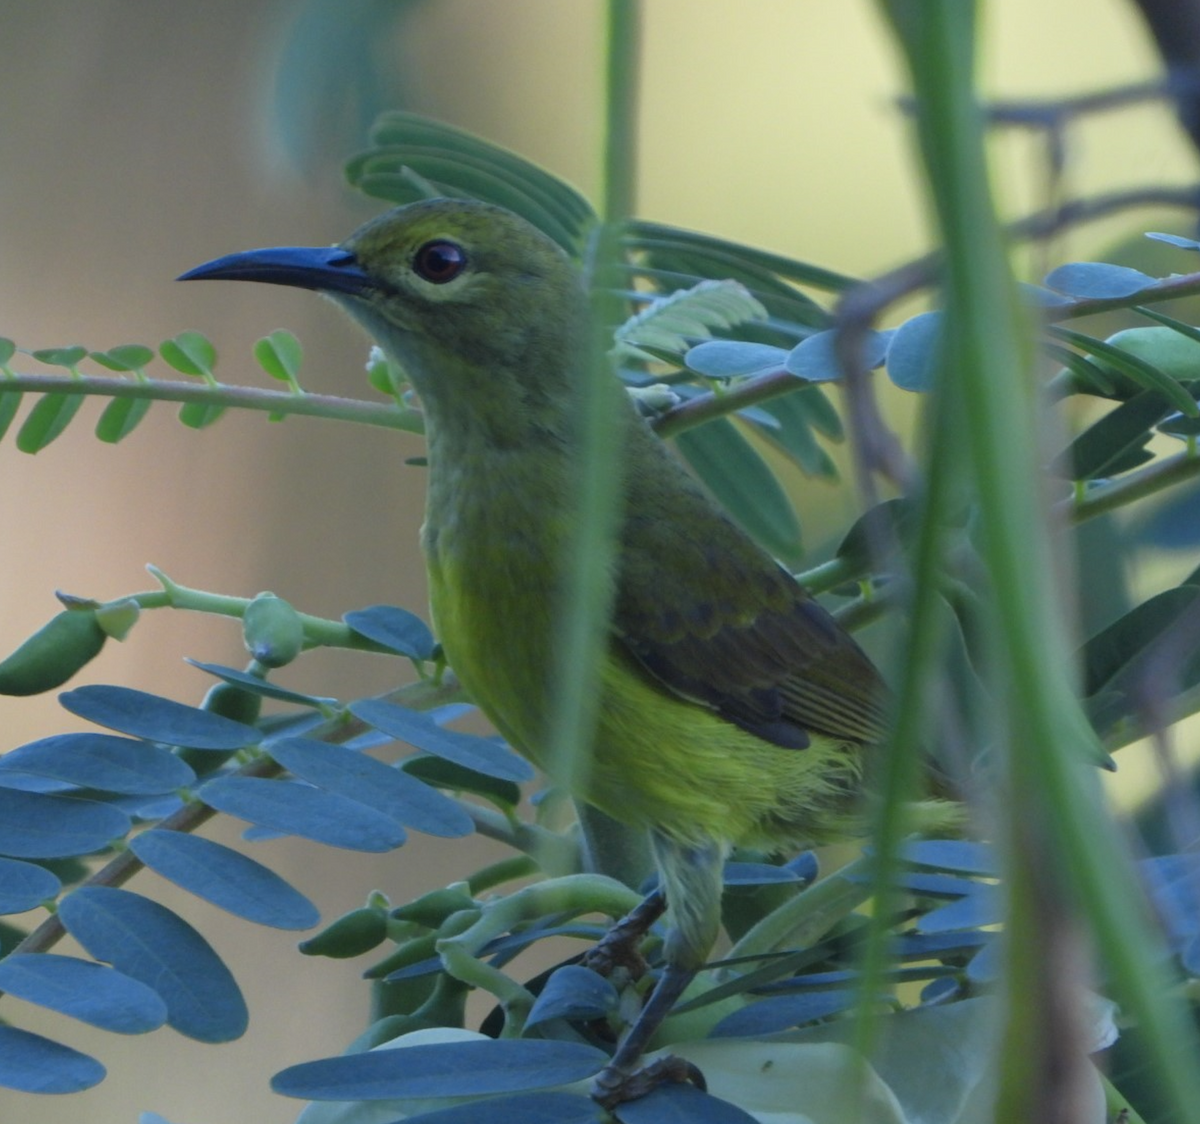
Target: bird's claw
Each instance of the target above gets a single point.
(614, 1085)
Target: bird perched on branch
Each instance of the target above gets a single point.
(732, 708)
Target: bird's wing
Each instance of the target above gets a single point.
(716, 620)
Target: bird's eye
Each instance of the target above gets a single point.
(440, 261)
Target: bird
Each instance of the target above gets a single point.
(732, 708)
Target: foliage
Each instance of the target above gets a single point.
(725, 347)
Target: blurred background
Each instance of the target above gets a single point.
(140, 138)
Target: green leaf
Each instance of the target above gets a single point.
(280, 355)
(410, 153)
(794, 437)
(124, 357)
(1100, 449)
(672, 323)
(7, 350)
(1115, 647)
(51, 414)
(1140, 370)
(190, 353)
(120, 418)
(743, 484)
(148, 942)
(198, 415)
(10, 403)
(69, 357)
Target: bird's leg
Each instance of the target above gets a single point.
(618, 947)
(691, 877)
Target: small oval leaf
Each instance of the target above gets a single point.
(102, 761)
(382, 787)
(33, 1064)
(84, 990)
(396, 629)
(34, 825)
(298, 809)
(148, 942)
(483, 755)
(157, 719)
(24, 886)
(456, 1069)
(226, 878)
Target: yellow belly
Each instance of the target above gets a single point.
(657, 760)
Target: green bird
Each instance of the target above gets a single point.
(732, 707)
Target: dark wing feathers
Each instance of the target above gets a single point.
(716, 620)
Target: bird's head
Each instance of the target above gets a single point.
(463, 294)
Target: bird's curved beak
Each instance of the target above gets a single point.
(323, 268)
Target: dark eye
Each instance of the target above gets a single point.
(440, 261)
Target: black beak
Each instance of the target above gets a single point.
(325, 269)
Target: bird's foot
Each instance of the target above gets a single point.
(615, 1084)
(618, 947)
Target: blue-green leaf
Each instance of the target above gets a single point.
(1174, 240)
(150, 943)
(782, 1012)
(37, 826)
(726, 359)
(33, 1064)
(298, 809)
(258, 686)
(395, 629)
(815, 359)
(226, 878)
(912, 358)
(24, 886)
(452, 1069)
(744, 485)
(983, 906)
(528, 1108)
(382, 787)
(102, 761)
(757, 874)
(1095, 280)
(573, 992)
(483, 755)
(157, 719)
(952, 854)
(84, 990)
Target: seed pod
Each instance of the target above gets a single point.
(231, 701)
(352, 934)
(52, 654)
(272, 630)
